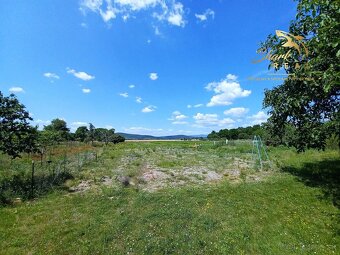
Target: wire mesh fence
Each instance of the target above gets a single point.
(27, 178)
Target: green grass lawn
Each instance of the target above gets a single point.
(294, 210)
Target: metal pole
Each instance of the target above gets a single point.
(264, 149)
(258, 152)
(32, 180)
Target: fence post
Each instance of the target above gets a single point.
(32, 180)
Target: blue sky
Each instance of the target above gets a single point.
(157, 67)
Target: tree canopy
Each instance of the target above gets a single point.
(308, 100)
(16, 134)
(238, 133)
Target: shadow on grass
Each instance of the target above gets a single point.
(20, 186)
(324, 174)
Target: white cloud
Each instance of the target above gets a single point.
(80, 75)
(153, 76)
(211, 120)
(51, 76)
(86, 91)
(148, 41)
(204, 16)
(131, 86)
(194, 106)
(74, 125)
(44, 122)
(41, 123)
(177, 118)
(171, 11)
(139, 100)
(79, 124)
(126, 17)
(97, 6)
(16, 90)
(136, 5)
(237, 111)
(93, 5)
(124, 95)
(231, 77)
(149, 108)
(180, 117)
(109, 14)
(226, 91)
(176, 15)
(258, 118)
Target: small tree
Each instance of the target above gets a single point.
(59, 126)
(16, 134)
(213, 135)
(91, 133)
(81, 133)
(117, 138)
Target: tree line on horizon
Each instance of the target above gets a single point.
(17, 135)
(238, 133)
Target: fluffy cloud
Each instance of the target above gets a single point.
(138, 100)
(86, 91)
(170, 10)
(176, 15)
(204, 16)
(149, 108)
(258, 118)
(153, 76)
(236, 112)
(131, 86)
(177, 118)
(226, 91)
(137, 5)
(124, 95)
(107, 13)
(80, 75)
(211, 120)
(93, 5)
(16, 90)
(51, 76)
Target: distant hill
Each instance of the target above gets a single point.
(150, 137)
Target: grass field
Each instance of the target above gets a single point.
(184, 198)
